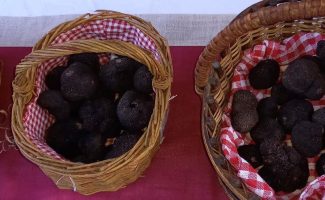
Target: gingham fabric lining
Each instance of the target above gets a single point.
(36, 120)
(285, 52)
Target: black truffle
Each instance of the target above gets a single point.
(63, 137)
(267, 128)
(92, 147)
(90, 59)
(98, 115)
(280, 94)
(78, 82)
(121, 145)
(319, 116)
(251, 154)
(117, 75)
(267, 108)
(294, 111)
(320, 50)
(266, 173)
(320, 165)
(307, 138)
(53, 101)
(243, 99)
(52, 79)
(273, 152)
(243, 121)
(142, 80)
(300, 75)
(134, 110)
(264, 74)
(317, 89)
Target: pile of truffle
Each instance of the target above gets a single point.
(100, 110)
(286, 114)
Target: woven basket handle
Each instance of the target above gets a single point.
(264, 13)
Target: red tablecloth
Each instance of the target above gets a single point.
(180, 169)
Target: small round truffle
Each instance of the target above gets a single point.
(317, 89)
(251, 154)
(280, 94)
(54, 102)
(134, 110)
(267, 128)
(300, 75)
(142, 80)
(243, 99)
(267, 108)
(63, 137)
(319, 116)
(98, 115)
(243, 121)
(122, 144)
(320, 165)
(307, 138)
(90, 59)
(264, 74)
(78, 82)
(294, 111)
(117, 75)
(52, 79)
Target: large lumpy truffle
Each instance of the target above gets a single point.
(267, 128)
(307, 138)
(319, 116)
(78, 82)
(142, 80)
(134, 110)
(63, 137)
(272, 151)
(98, 115)
(280, 94)
(267, 108)
(54, 102)
(320, 165)
(294, 111)
(122, 144)
(117, 75)
(264, 74)
(90, 59)
(251, 154)
(52, 79)
(300, 75)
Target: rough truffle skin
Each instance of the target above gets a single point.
(98, 115)
(319, 116)
(294, 111)
(280, 94)
(300, 75)
(244, 121)
(90, 59)
(273, 152)
(142, 80)
(134, 110)
(264, 74)
(307, 138)
(243, 99)
(251, 154)
(267, 108)
(320, 50)
(78, 82)
(63, 137)
(317, 89)
(92, 147)
(54, 102)
(267, 128)
(121, 145)
(320, 165)
(117, 75)
(52, 79)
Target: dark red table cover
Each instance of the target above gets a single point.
(180, 169)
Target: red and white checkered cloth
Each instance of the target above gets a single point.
(285, 52)
(36, 120)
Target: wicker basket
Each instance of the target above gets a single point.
(113, 34)
(268, 19)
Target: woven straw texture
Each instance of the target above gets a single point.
(267, 20)
(101, 32)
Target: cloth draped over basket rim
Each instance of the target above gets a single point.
(108, 175)
(277, 19)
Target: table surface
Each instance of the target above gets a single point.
(180, 169)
